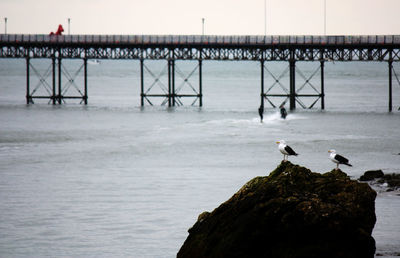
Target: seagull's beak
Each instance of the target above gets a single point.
(278, 142)
(329, 151)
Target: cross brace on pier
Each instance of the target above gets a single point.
(56, 93)
(171, 94)
(292, 95)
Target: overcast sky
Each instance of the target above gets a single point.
(222, 17)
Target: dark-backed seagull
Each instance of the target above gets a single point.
(338, 159)
(285, 149)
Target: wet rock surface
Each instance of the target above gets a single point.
(293, 212)
(382, 182)
(371, 175)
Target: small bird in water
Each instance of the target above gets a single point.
(338, 159)
(286, 150)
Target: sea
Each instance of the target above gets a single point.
(114, 179)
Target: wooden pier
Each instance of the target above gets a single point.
(263, 49)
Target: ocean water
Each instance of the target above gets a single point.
(112, 179)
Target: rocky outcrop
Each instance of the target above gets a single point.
(371, 175)
(393, 180)
(293, 212)
(381, 181)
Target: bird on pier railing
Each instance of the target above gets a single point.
(286, 150)
(59, 31)
(338, 159)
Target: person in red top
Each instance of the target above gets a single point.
(59, 31)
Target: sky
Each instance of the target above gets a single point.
(184, 17)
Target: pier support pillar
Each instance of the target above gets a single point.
(59, 96)
(262, 86)
(141, 83)
(54, 95)
(28, 90)
(322, 86)
(85, 96)
(390, 85)
(171, 83)
(292, 93)
(200, 83)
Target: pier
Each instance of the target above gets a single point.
(262, 49)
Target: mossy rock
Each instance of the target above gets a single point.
(293, 212)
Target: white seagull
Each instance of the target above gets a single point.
(338, 159)
(285, 150)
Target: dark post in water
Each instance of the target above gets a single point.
(28, 97)
(54, 79)
(141, 83)
(59, 79)
(200, 84)
(322, 86)
(85, 97)
(292, 64)
(390, 84)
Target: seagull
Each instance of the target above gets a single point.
(285, 149)
(338, 159)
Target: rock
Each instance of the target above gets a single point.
(393, 180)
(371, 175)
(293, 212)
(381, 181)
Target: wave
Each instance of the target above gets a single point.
(272, 118)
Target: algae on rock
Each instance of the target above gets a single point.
(293, 212)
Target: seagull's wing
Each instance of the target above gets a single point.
(341, 159)
(290, 151)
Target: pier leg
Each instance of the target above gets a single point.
(141, 83)
(59, 81)
(169, 84)
(85, 97)
(390, 85)
(292, 97)
(200, 83)
(54, 80)
(262, 85)
(28, 90)
(173, 81)
(322, 86)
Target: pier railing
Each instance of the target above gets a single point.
(196, 40)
